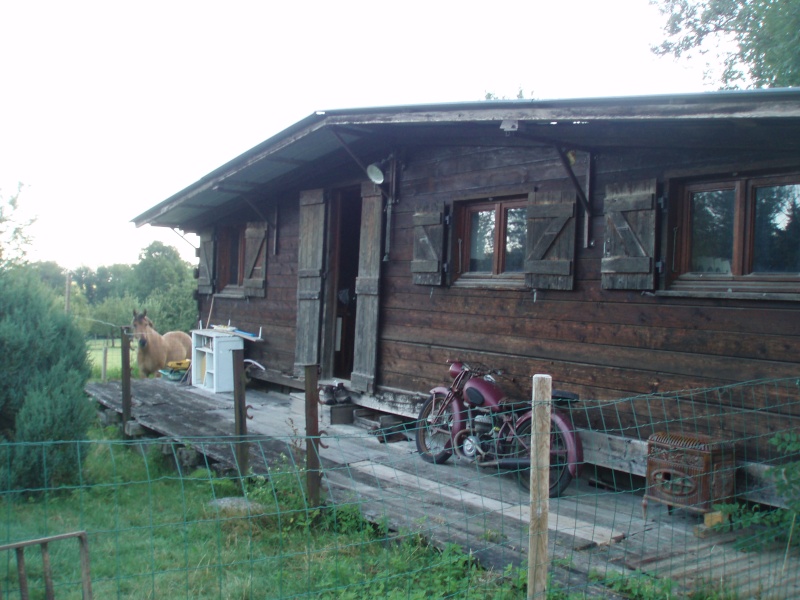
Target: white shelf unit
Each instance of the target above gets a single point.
(212, 359)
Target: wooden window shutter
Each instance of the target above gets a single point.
(255, 259)
(310, 265)
(630, 236)
(550, 241)
(362, 378)
(427, 261)
(206, 254)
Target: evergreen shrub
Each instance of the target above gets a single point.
(45, 371)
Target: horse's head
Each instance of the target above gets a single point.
(140, 325)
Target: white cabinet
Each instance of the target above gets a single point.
(212, 359)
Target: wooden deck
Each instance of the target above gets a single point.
(590, 530)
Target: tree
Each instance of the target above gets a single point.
(14, 237)
(160, 268)
(173, 309)
(113, 281)
(45, 361)
(759, 40)
(51, 274)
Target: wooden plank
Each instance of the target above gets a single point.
(597, 534)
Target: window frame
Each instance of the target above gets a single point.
(462, 211)
(227, 236)
(742, 281)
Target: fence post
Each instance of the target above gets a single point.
(104, 366)
(312, 435)
(540, 487)
(125, 348)
(240, 411)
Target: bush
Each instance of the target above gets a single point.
(45, 371)
(55, 410)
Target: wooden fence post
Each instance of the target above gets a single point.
(125, 348)
(540, 487)
(313, 473)
(240, 411)
(104, 366)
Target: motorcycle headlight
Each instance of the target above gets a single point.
(455, 369)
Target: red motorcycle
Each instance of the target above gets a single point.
(474, 419)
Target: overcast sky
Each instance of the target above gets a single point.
(108, 108)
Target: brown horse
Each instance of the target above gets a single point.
(155, 350)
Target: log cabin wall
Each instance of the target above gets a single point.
(276, 313)
(602, 344)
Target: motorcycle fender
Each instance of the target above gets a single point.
(574, 446)
(459, 414)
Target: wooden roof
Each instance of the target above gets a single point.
(331, 146)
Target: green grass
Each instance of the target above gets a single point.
(113, 359)
(154, 533)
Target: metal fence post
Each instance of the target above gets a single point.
(540, 487)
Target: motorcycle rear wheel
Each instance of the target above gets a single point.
(434, 426)
(560, 477)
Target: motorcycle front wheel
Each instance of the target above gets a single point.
(434, 425)
(560, 476)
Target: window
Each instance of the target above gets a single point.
(492, 237)
(743, 231)
(230, 256)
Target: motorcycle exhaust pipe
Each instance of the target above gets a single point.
(508, 463)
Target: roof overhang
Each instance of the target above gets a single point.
(320, 150)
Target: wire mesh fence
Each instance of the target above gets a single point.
(167, 518)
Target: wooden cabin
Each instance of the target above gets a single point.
(622, 245)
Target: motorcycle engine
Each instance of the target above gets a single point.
(482, 424)
(478, 441)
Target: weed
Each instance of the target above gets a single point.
(638, 586)
(492, 536)
(772, 525)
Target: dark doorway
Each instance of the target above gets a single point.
(346, 241)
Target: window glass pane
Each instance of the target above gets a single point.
(516, 224)
(712, 231)
(481, 241)
(777, 229)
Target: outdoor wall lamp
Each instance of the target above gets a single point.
(375, 173)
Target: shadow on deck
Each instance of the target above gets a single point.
(591, 531)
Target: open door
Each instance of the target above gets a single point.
(341, 305)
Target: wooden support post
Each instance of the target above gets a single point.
(240, 411)
(313, 474)
(125, 348)
(86, 569)
(104, 366)
(540, 487)
(47, 572)
(22, 573)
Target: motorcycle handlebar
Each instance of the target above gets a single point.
(478, 369)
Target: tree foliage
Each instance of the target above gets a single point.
(14, 237)
(173, 309)
(759, 40)
(35, 335)
(160, 267)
